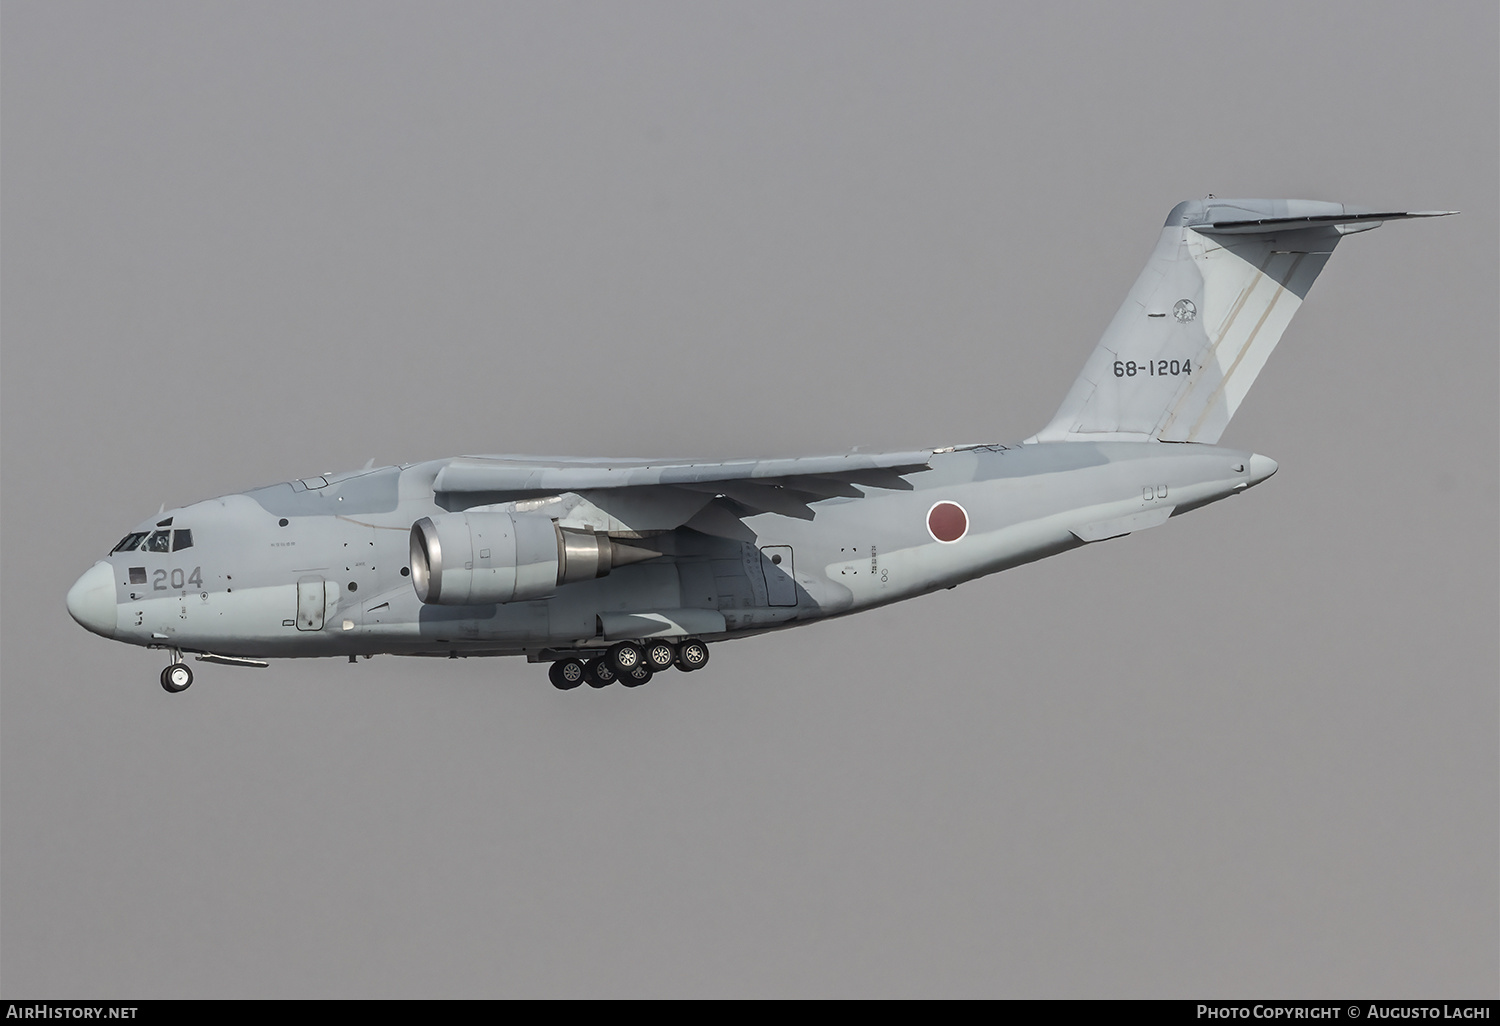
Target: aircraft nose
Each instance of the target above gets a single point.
(1261, 467)
(91, 600)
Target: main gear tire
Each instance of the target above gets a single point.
(600, 674)
(692, 655)
(661, 655)
(626, 656)
(567, 674)
(636, 676)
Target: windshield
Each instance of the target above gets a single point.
(155, 541)
(128, 543)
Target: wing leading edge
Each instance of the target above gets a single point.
(524, 474)
(664, 493)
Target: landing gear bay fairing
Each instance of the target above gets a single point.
(613, 570)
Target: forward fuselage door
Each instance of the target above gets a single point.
(311, 602)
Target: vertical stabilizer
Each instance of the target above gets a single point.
(1216, 295)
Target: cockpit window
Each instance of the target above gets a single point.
(155, 541)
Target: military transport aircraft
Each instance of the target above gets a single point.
(614, 569)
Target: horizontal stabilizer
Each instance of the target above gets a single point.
(1288, 224)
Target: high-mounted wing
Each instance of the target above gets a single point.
(528, 474)
(642, 495)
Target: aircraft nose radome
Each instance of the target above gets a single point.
(1261, 467)
(91, 600)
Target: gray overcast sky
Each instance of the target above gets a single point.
(1254, 753)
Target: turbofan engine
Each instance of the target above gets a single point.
(467, 559)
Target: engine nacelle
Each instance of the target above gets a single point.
(470, 559)
(465, 559)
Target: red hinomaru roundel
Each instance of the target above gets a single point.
(947, 521)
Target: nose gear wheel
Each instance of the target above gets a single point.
(177, 677)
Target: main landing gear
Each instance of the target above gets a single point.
(629, 663)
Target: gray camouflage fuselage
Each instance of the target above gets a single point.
(564, 559)
(347, 542)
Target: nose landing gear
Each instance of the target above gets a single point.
(178, 676)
